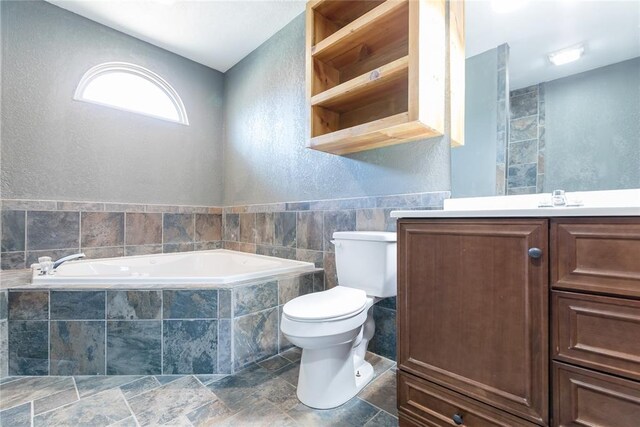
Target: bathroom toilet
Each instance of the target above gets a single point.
(334, 327)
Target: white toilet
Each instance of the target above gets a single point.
(333, 327)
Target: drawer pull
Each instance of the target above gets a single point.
(457, 418)
(535, 253)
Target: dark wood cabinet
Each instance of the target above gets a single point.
(473, 310)
(476, 333)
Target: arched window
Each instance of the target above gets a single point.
(132, 88)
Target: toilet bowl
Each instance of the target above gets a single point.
(333, 327)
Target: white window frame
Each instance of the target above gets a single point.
(137, 70)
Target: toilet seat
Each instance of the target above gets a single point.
(334, 304)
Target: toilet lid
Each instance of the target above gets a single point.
(333, 303)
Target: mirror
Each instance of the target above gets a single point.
(553, 98)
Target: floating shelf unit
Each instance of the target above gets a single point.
(377, 72)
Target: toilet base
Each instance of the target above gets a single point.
(320, 390)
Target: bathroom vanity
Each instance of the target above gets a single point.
(514, 315)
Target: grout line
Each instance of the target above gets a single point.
(128, 407)
(162, 332)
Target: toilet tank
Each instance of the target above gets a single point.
(367, 260)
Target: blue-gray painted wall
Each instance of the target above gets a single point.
(593, 129)
(56, 148)
(473, 165)
(266, 118)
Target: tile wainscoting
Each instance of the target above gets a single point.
(150, 331)
(35, 228)
(293, 230)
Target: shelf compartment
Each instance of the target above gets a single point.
(330, 16)
(396, 129)
(377, 38)
(384, 77)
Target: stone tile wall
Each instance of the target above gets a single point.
(4, 334)
(502, 119)
(526, 147)
(31, 229)
(147, 332)
(303, 231)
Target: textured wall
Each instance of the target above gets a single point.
(57, 148)
(593, 129)
(266, 159)
(473, 165)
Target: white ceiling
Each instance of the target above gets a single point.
(220, 33)
(215, 33)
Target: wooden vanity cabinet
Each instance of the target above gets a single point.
(473, 310)
(488, 307)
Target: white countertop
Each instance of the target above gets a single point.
(594, 203)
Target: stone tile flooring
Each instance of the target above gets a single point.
(264, 394)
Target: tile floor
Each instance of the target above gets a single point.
(261, 395)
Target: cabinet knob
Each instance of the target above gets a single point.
(535, 253)
(457, 418)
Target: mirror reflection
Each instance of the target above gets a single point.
(553, 98)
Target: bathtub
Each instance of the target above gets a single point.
(214, 267)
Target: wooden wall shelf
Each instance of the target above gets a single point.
(377, 72)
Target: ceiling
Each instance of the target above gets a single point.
(215, 33)
(220, 33)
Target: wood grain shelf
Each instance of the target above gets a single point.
(377, 71)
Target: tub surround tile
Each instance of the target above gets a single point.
(207, 246)
(247, 227)
(337, 221)
(77, 347)
(4, 305)
(225, 342)
(28, 347)
(170, 401)
(190, 346)
(309, 232)
(190, 304)
(102, 229)
(13, 231)
(208, 227)
(177, 247)
(224, 303)
(105, 408)
(255, 337)
(241, 247)
(134, 347)
(134, 305)
(32, 256)
(264, 228)
(231, 227)
(77, 305)
(99, 253)
(52, 230)
(284, 229)
(330, 273)
(178, 228)
(4, 348)
(316, 257)
(19, 416)
(28, 305)
(292, 287)
(12, 260)
(252, 298)
(143, 229)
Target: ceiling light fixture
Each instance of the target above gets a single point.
(506, 6)
(564, 56)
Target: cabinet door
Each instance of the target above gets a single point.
(472, 309)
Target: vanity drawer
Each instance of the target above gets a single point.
(600, 255)
(587, 398)
(422, 403)
(597, 332)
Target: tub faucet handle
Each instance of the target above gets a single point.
(67, 258)
(46, 265)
